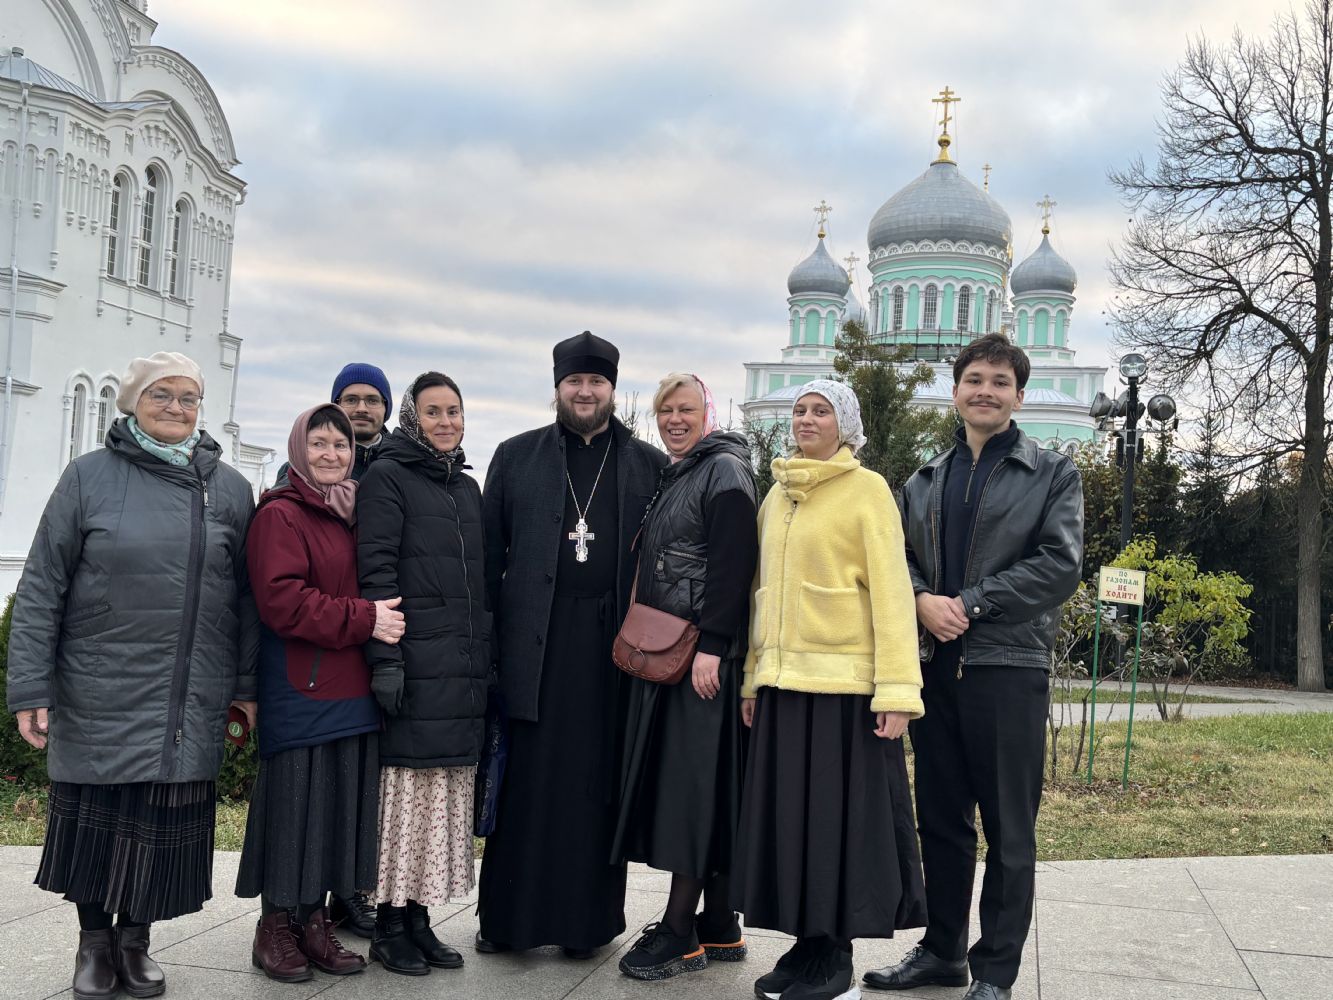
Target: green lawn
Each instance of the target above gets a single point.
(1260, 784)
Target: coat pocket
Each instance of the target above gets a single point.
(87, 621)
(759, 618)
(832, 616)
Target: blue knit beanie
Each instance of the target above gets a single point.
(363, 374)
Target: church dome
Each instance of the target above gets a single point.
(855, 311)
(1044, 271)
(818, 274)
(941, 204)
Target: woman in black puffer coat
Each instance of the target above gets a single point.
(419, 536)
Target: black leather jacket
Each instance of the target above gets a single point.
(673, 550)
(1026, 557)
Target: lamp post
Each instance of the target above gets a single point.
(1129, 442)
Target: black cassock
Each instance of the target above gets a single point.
(546, 879)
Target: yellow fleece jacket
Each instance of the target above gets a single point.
(833, 610)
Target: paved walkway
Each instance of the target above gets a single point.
(1191, 929)
(1242, 701)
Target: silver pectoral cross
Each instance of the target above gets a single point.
(581, 536)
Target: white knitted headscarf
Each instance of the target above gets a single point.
(845, 407)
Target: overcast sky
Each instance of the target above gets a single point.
(457, 186)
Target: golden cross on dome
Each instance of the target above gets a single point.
(1046, 205)
(851, 260)
(822, 210)
(985, 184)
(946, 98)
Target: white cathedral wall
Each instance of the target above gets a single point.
(75, 325)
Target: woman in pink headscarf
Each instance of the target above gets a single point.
(313, 823)
(681, 782)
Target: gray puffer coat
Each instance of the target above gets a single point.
(133, 620)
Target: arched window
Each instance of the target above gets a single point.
(115, 226)
(897, 309)
(76, 421)
(106, 405)
(180, 235)
(964, 307)
(147, 226)
(990, 312)
(930, 308)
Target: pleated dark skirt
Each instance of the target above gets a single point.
(313, 825)
(681, 788)
(143, 849)
(827, 841)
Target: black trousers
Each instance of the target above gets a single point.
(981, 743)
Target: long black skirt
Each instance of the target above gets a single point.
(680, 796)
(827, 841)
(144, 850)
(313, 825)
(546, 877)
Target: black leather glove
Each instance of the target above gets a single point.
(387, 685)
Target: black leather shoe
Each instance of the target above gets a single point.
(580, 954)
(393, 947)
(486, 946)
(355, 914)
(918, 968)
(986, 991)
(432, 949)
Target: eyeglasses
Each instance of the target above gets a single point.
(352, 402)
(162, 399)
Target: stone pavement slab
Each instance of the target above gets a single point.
(1256, 928)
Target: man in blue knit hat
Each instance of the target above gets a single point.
(362, 391)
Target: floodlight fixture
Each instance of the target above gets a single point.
(1133, 366)
(1161, 407)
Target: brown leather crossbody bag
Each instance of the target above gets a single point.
(652, 644)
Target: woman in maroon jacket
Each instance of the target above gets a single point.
(313, 823)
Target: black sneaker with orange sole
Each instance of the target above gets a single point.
(722, 941)
(662, 954)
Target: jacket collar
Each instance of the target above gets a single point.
(207, 454)
(799, 477)
(1024, 451)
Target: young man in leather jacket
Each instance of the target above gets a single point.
(994, 532)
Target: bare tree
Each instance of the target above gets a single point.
(1225, 271)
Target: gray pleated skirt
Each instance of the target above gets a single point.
(143, 849)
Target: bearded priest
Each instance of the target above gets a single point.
(561, 507)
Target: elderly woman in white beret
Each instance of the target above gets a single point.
(133, 634)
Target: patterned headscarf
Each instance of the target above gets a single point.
(410, 424)
(846, 408)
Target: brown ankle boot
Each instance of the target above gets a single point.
(275, 950)
(139, 975)
(95, 966)
(321, 946)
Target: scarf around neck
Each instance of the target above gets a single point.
(339, 497)
(178, 454)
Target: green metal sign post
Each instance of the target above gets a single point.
(1116, 586)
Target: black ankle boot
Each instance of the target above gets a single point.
(95, 966)
(392, 946)
(432, 949)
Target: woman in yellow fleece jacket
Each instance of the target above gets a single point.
(827, 848)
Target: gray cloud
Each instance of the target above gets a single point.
(457, 187)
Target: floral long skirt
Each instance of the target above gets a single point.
(426, 851)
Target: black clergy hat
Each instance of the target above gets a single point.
(586, 352)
